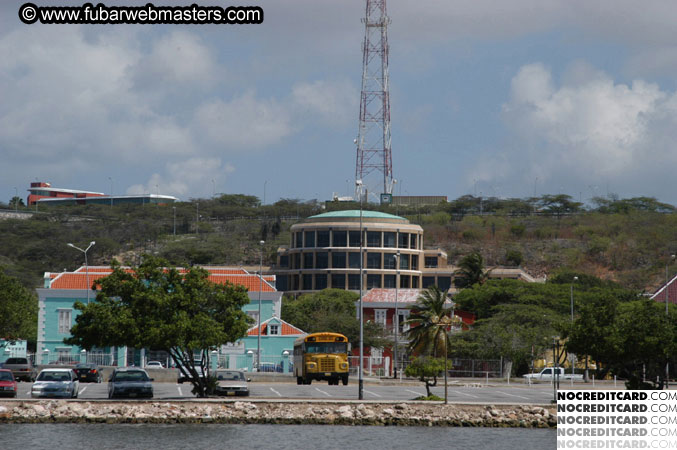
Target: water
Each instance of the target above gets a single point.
(282, 437)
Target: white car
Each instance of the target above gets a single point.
(231, 382)
(154, 365)
(56, 383)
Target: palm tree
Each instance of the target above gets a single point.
(471, 271)
(431, 320)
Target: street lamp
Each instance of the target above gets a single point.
(397, 317)
(572, 318)
(258, 331)
(358, 188)
(86, 265)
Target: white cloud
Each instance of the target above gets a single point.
(585, 130)
(245, 122)
(333, 102)
(192, 176)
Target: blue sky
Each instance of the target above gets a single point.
(498, 98)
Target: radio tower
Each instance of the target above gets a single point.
(373, 139)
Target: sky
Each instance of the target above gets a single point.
(491, 98)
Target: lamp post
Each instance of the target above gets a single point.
(397, 317)
(358, 185)
(572, 318)
(86, 265)
(667, 299)
(258, 331)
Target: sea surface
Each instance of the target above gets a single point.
(296, 437)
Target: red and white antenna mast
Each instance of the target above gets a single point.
(373, 140)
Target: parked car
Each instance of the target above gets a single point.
(548, 373)
(22, 368)
(154, 365)
(56, 383)
(8, 385)
(231, 382)
(269, 367)
(130, 382)
(184, 375)
(88, 372)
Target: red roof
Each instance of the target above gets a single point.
(78, 279)
(287, 329)
(671, 291)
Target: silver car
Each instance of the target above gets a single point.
(61, 383)
(130, 382)
(231, 382)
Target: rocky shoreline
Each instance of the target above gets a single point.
(263, 412)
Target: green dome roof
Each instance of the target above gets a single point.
(355, 214)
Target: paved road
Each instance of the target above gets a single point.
(458, 392)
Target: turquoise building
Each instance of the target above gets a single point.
(57, 315)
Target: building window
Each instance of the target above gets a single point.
(430, 262)
(323, 238)
(404, 262)
(414, 282)
(376, 354)
(281, 282)
(412, 241)
(373, 281)
(274, 330)
(389, 260)
(64, 321)
(354, 238)
(380, 316)
(403, 317)
(310, 239)
(414, 262)
(403, 240)
(389, 239)
(284, 261)
(308, 260)
(320, 281)
(299, 240)
(338, 260)
(373, 260)
(307, 282)
(340, 239)
(354, 282)
(255, 316)
(389, 281)
(444, 283)
(404, 281)
(373, 238)
(338, 280)
(296, 258)
(321, 260)
(354, 260)
(294, 283)
(427, 282)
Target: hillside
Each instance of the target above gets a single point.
(628, 241)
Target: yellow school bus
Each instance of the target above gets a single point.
(321, 356)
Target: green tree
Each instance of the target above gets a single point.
(427, 370)
(18, 310)
(159, 308)
(16, 202)
(470, 271)
(331, 310)
(430, 321)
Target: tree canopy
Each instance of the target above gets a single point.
(331, 310)
(18, 310)
(159, 308)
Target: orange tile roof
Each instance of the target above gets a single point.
(287, 329)
(78, 279)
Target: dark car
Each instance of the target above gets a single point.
(8, 386)
(88, 373)
(130, 382)
(21, 368)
